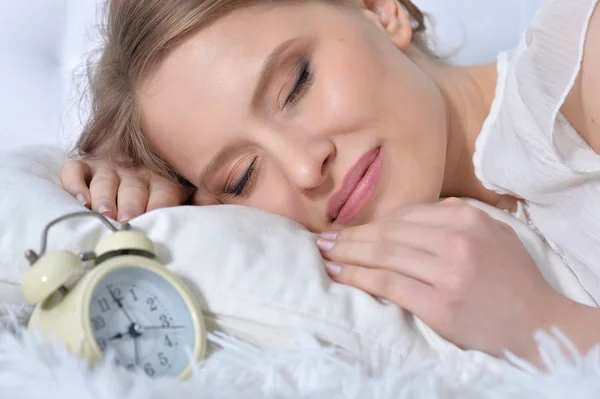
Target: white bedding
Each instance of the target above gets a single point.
(261, 289)
(258, 276)
(33, 370)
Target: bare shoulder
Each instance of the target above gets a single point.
(582, 106)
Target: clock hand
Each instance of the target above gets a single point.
(120, 305)
(117, 336)
(161, 327)
(136, 348)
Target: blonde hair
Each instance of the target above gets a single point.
(137, 36)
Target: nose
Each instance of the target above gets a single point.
(307, 164)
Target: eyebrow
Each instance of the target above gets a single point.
(258, 100)
(267, 72)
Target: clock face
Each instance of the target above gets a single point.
(142, 318)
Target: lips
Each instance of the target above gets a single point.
(357, 188)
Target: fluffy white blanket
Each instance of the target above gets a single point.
(30, 368)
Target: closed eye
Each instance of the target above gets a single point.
(240, 187)
(302, 83)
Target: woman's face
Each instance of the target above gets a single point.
(307, 110)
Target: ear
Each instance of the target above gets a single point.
(392, 18)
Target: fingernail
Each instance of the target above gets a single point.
(325, 245)
(383, 301)
(333, 268)
(81, 199)
(329, 235)
(126, 217)
(103, 209)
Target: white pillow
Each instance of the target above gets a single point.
(258, 276)
(475, 31)
(30, 58)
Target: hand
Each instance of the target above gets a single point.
(119, 303)
(119, 335)
(147, 328)
(463, 273)
(119, 193)
(136, 351)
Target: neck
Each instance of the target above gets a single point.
(468, 93)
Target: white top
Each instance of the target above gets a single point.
(529, 150)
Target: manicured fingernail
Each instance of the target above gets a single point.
(81, 199)
(325, 245)
(126, 217)
(329, 235)
(333, 268)
(383, 301)
(103, 209)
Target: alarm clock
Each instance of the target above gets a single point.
(118, 298)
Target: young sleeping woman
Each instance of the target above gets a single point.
(335, 114)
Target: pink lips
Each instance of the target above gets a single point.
(358, 187)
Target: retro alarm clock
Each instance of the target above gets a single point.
(118, 298)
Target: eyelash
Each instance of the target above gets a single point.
(240, 187)
(302, 83)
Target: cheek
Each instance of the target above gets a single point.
(349, 62)
(274, 194)
(345, 95)
(421, 102)
(418, 148)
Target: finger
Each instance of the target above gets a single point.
(74, 177)
(432, 214)
(408, 293)
(424, 237)
(505, 226)
(164, 194)
(452, 213)
(470, 215)
(103, 190)
(410, 261)
(132, 198)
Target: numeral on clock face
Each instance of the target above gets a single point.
(103, 304)
(98, 323)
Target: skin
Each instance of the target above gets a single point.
(304, 151)
(369, 86)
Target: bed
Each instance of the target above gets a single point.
(278, 326)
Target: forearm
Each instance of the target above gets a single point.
(579, 323)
